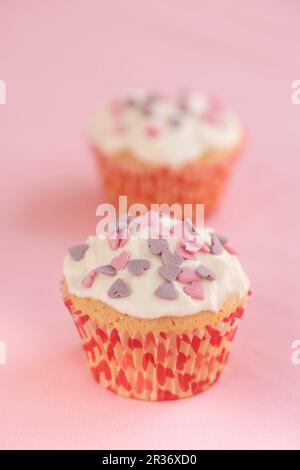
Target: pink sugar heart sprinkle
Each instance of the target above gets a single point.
(88, 281)
(211, 116)
(216, 107)
(191, 247)
(194, 290)
(123, 237)
(120, 262)
(152, 132)
(230, 249)
(205, 248)
(185, 254)
(113, 241)
(188, 275)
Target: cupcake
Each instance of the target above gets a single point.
(156, 312)
(158, 149)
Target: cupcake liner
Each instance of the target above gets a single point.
(201, 183)
(164, 366)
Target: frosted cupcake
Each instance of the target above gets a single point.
(156, 314)
(158, 149)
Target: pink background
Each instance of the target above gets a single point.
(59, 59)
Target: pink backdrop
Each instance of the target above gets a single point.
(59, 59)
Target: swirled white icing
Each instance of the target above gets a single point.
(165, 130)
(142, 302)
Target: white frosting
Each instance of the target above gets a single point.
(230, 279)
(120, 127)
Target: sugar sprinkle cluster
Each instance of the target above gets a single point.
(170, 269)
(146, 107)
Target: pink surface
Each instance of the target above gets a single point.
(59, 59)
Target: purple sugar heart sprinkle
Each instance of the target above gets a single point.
(171, 259)
(174, 121)
(216, 246)
(77, 252)
(157, 246)
(205, 273)
(119, 289)
(130, 102)
(146, 110)
(170, 273)
(166, 291)
(138, 266)
(107, 269)
(152, 98)
(223, 239)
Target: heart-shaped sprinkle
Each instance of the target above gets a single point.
(123, 237)
(120, 261)
(216, 246)
(77, 252)
(113, 241)
(195, 290)
(222, 238)
(166, 291)
(174, 121)
(185, 254)
(88, 281)
(171, 259)
(138, 266)
(170, 273)
(205, 273)
(151, 132)
(183, 103)
(157, 246)
(119, 289)
(212, 115)
(188, 275)
(107, 269)
(205, 248)
(230, 249)
(190, 246)
(146, 110)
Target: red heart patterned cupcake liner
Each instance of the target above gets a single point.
(164, 366)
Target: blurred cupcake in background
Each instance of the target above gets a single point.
(162, 149)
